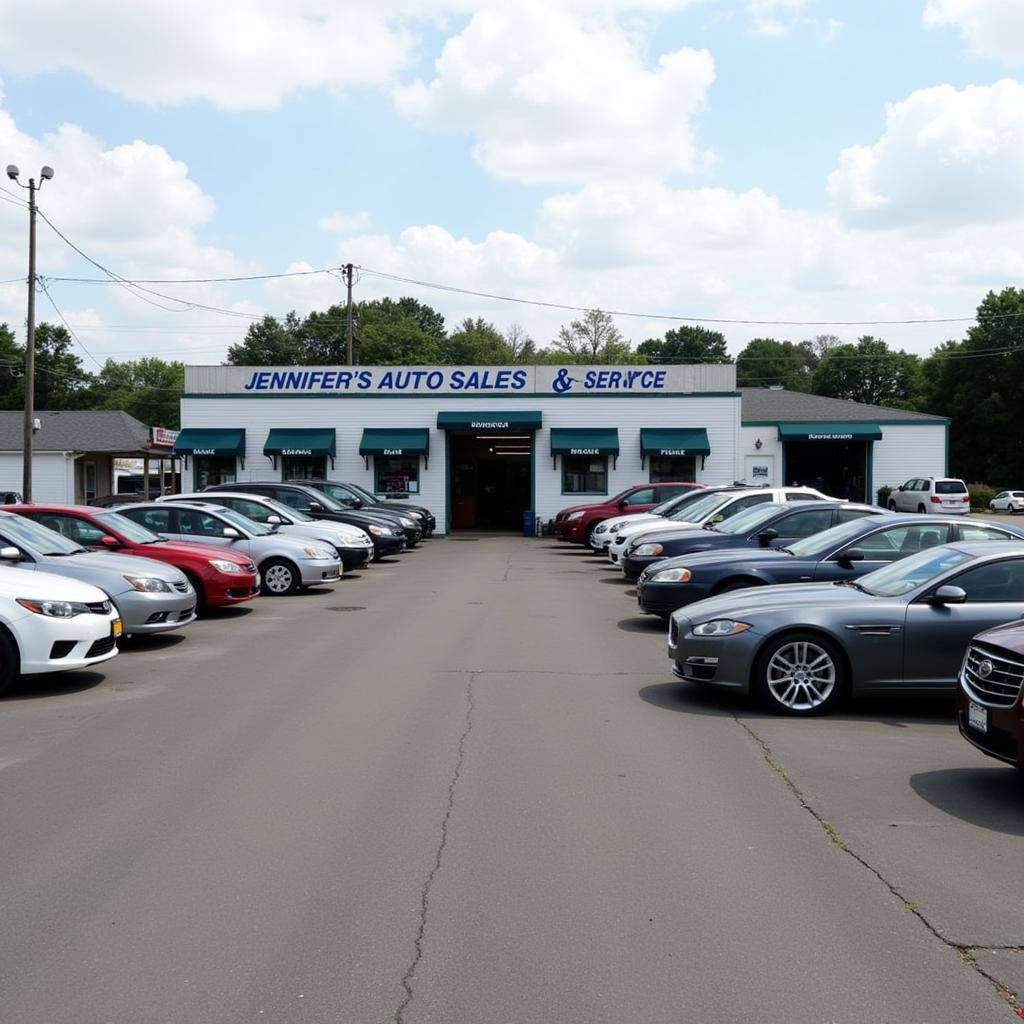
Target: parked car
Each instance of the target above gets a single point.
(989, 708)
(354, 545)
(902, 627)
(843, 553)
(1008, 501)
(150, 597)
(10, 498)
(389, 537)
(606, 531)
(348, 493)
(285, 563)
(49, 623)
(578, 522)
(115, 500)
(944, 495)
(761, 526)
(715, 508)
(217, 576)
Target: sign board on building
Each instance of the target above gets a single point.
(161, 437)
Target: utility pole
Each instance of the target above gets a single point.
(30, 329)
(348, 344)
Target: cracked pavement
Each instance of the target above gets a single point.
(482, 798)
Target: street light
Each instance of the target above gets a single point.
(30, 330)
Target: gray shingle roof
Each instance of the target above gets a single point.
(767, 405)
(81, 431)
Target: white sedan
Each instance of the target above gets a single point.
(52, 624)
(605, 531)
(1007, 501)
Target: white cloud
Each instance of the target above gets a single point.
(833, 28)
(992, 28)
(344, 223)
(775, 17)
(573, 100)
(947, 157)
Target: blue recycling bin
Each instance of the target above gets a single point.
(529, 524)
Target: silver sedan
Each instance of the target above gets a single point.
(903, 627)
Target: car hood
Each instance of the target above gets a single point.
(47, 586)
(187, 548)
(324, 529)
(98, 566)
(751, 558)
(582, 508)
(697, 535)
(750, 605)
(656, 524)
(633, 517)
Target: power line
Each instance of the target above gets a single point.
(195, 280)
(46, 292)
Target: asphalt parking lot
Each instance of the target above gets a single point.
(466, 788)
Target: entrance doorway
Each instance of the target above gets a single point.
(837, 468)
(490, 480)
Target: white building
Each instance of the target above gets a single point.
(482, 445)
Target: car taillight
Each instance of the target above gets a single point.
(967, 497)
(935, 499)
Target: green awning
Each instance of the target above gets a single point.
(397, 441)
(489, 422)
(211, 441)
(825, 430)
(300, 441)
(674, 441)
(584, 441)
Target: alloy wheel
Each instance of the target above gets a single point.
(801, 676)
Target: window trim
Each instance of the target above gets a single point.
(568, 458)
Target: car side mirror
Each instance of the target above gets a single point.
(622, 504)
(948, 594)
(851, 556)
(715, 520)
(356, 502)
(10, 554)
(274, 520)
(315, 506)
(231, 533)
(765, 537)
(109, 542)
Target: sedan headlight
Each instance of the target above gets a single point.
(721, 627)
(380, 531)
(574, 515)
(58, 609)
(678, 575)
(231, 568)
(149, 584)
(407, 522)
(602, 528)
(614, 529)
(315, 552)
(648, 549)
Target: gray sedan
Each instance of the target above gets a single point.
(150, 596)
(903, 627)
(285, 563)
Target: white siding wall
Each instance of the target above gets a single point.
(770, 454)
(903, 452)
(53, 475)
(720, 415)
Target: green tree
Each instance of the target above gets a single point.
(868, 372)
(766, 362)
(476, 342)
(61, 380)
(270, 342)
(592, 339)
(519, 345)
(12, 380)
(149, 389)
(323, 338)
(686, 344)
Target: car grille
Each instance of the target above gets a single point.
(99, 607)
(673, 632)
(104, 646)
(183, 587)
(999, 686)
(251, 567)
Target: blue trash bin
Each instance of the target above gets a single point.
(529, 524)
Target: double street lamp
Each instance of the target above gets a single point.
(30, 330)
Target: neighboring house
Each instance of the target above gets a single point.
(73, 452)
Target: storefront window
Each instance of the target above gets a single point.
(304, 467)
(396, 475)
(214, 469)
(584, 474)
(671, 468)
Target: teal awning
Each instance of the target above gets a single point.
(584, 441)
(211, 441)
(674, 441)
(300, 441)
(396, 441)
(829, 430)
(489, 422)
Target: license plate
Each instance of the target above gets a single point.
(116, 627)
(977, 717)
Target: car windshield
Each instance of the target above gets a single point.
(950, 487)
(135, 532)
(684, 500)
(341, 493)
(750, 518)
(702, 508)
(229, 515)
(912, 572)
(827, 540)
(363, 493)
(287, 510)
(329, 503)
(38, 538)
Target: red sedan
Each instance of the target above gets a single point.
(220, 577)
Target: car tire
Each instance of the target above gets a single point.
(892, 506)
(280, 577)
(799, 674)
(200, 593)
(588, 534)
(922, 510)
(10, 662)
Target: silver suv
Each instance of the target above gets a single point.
(945, 495)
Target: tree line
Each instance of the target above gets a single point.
(977, 381)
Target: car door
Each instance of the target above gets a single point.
(903, 497)
(882, 546)
(81, 531)
(798, 525)
(936, 636)
(205, 528)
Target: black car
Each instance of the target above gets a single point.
(388, 535)
(767, 525)
(843, 552)
(347, 493)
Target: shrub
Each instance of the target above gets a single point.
(981, 495)
(883, 496)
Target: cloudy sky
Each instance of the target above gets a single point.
(809, 161)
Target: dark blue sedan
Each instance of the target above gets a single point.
(842, 553)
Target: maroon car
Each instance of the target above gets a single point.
(989, 708)
(218, 576)
(577, 522)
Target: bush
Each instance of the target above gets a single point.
(883, 496)
(981, 495)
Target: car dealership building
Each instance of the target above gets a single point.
(482, 445)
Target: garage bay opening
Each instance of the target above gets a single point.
(490, 480)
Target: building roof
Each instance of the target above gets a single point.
(770, 405)
(111, 431)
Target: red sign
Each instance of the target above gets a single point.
(160, 437)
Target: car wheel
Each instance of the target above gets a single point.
(921, 509)
(588, 535)
(799, 674)
(280, 577)
(892, 506)
(200, 593)
(10, 664)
